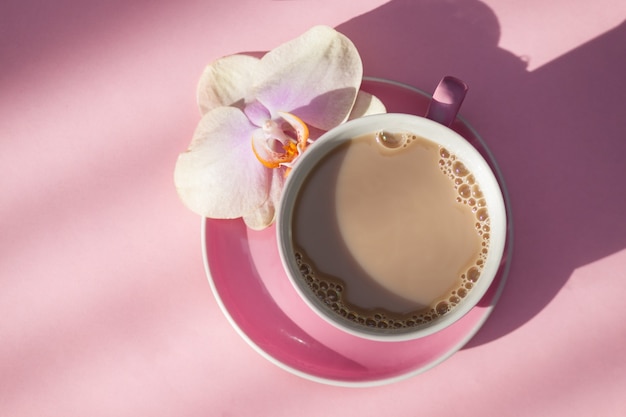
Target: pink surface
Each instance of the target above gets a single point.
(104, 305)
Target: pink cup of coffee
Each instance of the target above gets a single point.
(392, 227)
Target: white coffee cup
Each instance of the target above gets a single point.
(428, 129)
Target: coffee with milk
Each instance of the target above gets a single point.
(390, 231)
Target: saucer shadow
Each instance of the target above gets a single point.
(557, 134)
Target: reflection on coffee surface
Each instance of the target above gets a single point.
(390, 230)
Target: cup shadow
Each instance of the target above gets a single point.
(557, 134)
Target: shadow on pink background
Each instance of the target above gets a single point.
(558, 134)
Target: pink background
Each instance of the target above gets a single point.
(105, 309)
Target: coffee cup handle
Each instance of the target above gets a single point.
(447, 100)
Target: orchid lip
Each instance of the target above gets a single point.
(291, 135)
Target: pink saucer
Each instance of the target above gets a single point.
(246, 276)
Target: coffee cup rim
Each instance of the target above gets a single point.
(428, 129)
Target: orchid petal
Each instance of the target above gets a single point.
(262, 217)
(315, 76)
(365, 105)
(257, 113)
(226, 82)
(265, 215)
(218, 176)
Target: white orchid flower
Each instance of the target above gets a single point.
(259, 115)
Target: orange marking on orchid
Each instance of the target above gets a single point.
(265, 162)
(292, 148)
(302, 130)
